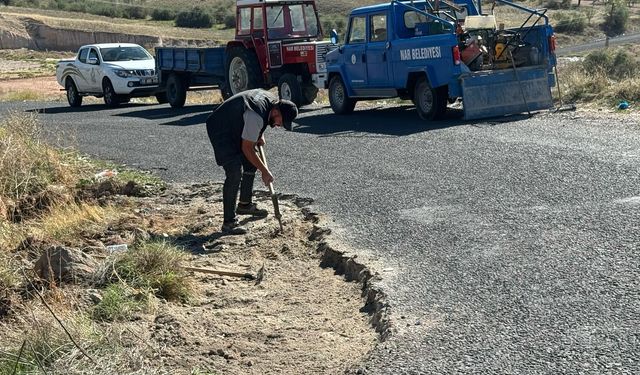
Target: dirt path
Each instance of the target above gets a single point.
(301, 319)
(45, 87)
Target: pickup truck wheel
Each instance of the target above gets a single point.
(161, 97)
(225, 91)
(176, 91)
(111, 99)
(73, 97)
(289, 88)
(340, 102)
(243, 70)
(426, 100)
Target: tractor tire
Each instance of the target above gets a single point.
(225, 91)
(73, 96)
(111, 99)
(161, 97)
(428, 101)
(243, 70)
(290, 89)
(176, 91)
(309, 92)
(341, 104)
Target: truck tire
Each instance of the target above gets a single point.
(161, 97)
(176, 91)
(289, 88)
(340, 102)
(243, 70)
(73, 96)
(428, 101)
(111, 99)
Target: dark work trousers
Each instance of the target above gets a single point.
(240, 174)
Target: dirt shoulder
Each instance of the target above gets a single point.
(300, 318)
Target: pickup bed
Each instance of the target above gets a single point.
(115, 72)
(434, 52)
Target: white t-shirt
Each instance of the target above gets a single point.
(253, 124)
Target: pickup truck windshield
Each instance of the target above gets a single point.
(124, 54)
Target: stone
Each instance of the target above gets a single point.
(60, 263)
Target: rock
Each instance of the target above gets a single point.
(59, 263)
(132, 189)
(141, 235)
(94, 296)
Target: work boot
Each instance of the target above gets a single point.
(233, 228)
(251, 209)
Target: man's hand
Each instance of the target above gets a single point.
(267, 178)
(261, 141)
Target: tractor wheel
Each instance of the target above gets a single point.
(73, 96)
(340, 102)
(176, 91)
(243, 70)
(428, 101)
(111, 99)
(309, 92)
(289, 88)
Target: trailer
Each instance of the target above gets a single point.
(436, 51)
(278, 43)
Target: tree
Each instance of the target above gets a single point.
(589, 12)
(617, 17)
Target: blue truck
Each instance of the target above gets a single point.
(278, 43)
(436, 51)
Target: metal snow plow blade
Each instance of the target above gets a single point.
(505, 92)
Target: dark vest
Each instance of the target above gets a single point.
(225, 124)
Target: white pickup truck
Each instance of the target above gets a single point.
(114, 71)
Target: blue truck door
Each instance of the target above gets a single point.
(354, 53)
(377, 52)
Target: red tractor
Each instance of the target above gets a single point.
(278, 43)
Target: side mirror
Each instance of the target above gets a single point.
(92, 60)
(334, 37)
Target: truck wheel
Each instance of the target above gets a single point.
(427, 100)
(111, 99)
(176, 92)
(161, 97)
(73, 97)
(289, 88)
(243, 70)
(340, 102)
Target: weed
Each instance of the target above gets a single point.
(119, 303)
(156, 265)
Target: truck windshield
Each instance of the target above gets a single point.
(124, 54)
(292, 21)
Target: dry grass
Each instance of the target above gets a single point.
(69, 223)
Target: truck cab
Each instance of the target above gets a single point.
(435, 51)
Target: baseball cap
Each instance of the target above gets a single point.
(289, 112)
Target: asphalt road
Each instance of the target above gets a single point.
(509, 247)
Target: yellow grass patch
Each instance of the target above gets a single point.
(66, 223)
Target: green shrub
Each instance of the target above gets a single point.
(194, 18)
(156, 265)
(616, 21)
(229, 21)
(135, 12)
(106, 10)
(163, 15)
(119, 303)
(5, 2)
(570, 22)
(558, 4)
(618, 65)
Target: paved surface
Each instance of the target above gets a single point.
(514, 246)
(599, 44)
